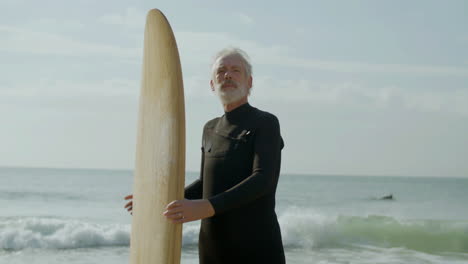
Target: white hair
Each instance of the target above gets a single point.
(231, 51)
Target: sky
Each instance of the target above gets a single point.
(360, 87)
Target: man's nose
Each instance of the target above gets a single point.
(228, 75)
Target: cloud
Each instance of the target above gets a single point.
(202, 45)
(197, 49)
(245, 19)
(301, 31)
(351, 67)
(72, 88)
(439, 101)
(131, 18)
(55, 25)
(197, 86)
(357, 95)
(21, 40)
(463, 38)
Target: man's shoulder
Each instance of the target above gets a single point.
(211, 123)
(264, 117)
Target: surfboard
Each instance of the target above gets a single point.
(160, 149)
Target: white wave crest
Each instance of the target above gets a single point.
(300, 227)
(35, 232)
(305, 228)
(45, 232)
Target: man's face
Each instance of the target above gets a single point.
(231, 82)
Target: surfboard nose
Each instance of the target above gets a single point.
(158, 25)
(161, 61)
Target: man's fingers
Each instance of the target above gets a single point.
(128, 197)
(174, 217)
(129, 204)
(172, 212)
(173, 204)
(129, 209)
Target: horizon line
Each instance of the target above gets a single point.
(284, 173)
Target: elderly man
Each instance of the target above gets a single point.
(241, 156)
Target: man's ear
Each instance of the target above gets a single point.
(249, 82)
(212, 85)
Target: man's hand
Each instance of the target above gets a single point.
(183, 211)
(129, 205)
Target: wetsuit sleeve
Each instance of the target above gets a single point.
(195, 190)
(265, 171)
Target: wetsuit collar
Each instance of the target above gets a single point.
(238, 112)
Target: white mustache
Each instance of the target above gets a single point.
(231, 82)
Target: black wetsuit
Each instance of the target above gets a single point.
(241, 157)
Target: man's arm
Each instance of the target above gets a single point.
(195, 190)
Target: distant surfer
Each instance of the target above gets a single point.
(241, 157)
(387, 197)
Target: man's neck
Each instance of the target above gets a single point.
(234, 105)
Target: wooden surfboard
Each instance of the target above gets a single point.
(160, 151)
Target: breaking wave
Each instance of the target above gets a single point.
(300, 228)
(307, 229)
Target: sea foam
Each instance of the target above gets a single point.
(301, 228)
(18, 233)
(304, 228)
(40, 232)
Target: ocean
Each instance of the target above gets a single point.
(76, 216)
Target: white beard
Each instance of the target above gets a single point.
(230, 95)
